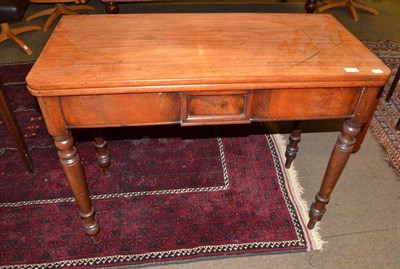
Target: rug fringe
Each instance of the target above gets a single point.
(297, 191)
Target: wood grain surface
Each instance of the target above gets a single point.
(143, 52)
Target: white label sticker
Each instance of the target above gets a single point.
(351, 70)
(377, 71)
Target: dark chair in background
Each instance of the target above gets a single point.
(351, 5)
(59, 9)
(13, 10)
(10, 122)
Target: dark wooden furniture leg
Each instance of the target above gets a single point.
(341, 152)
(337, 162)
(391, 91)
(71, 163)
(74, 172)
(103, 157)
(394, 85)
(311, 6)
(294, 140)
(10, 121)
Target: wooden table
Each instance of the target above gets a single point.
(195, 69)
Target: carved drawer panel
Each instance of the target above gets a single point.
(215, 107)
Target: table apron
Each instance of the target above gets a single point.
(212, 107)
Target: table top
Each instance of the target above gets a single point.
(105, 54)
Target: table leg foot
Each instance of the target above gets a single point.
(93, 228)
(76, 179)
(311, 224)
(103, 157)
(339, 157)
(294, 139)
(316, 214)
(95, 239)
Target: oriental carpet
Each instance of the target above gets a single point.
(388, 113)
(174, 193)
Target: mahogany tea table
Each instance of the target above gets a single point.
(201, 69)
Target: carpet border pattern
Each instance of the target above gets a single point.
(225, 186)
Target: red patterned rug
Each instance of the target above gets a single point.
(174, 193)
(388, 113)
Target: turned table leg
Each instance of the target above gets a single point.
(294, 140)
(339, 157)
(74, 172)
(103, 157)
(344, 147)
